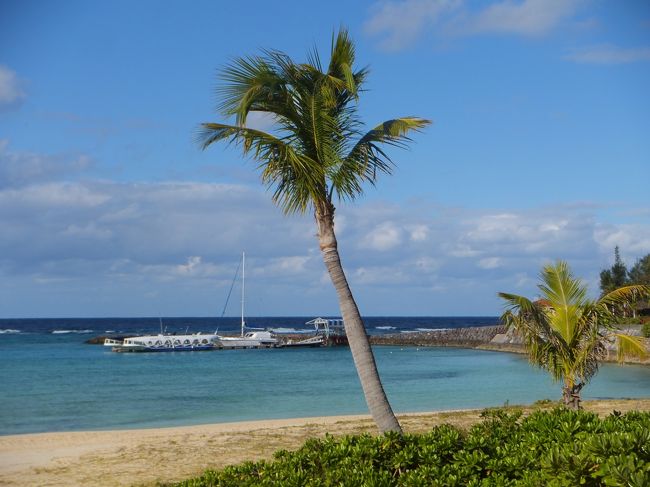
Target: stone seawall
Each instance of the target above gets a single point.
(482, 337)
(455, 337)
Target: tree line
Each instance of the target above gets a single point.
(618, 275)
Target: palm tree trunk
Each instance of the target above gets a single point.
(571, 395)
(362, 355)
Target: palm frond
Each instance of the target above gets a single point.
(560, 287)
(367, 158)
(566, 294)
(294, 177)
(628, 345)
(625, 295)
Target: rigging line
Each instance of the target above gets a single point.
(231, 287)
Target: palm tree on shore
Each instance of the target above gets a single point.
(567, 334)
(317, 154)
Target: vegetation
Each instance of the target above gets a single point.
(614, 277)
(559, 448)
(317, 153)
(565, 333)
(640, 272)
(618, 275)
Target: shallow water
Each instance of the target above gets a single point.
(55, 382)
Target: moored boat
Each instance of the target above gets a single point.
(251, 339)
(311, 342)
(164, 343)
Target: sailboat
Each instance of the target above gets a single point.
(251, 339)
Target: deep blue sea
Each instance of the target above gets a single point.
(50, 380)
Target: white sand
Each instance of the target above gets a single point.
(127, 457)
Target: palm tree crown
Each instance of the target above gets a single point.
(567, 334)
(318, 148)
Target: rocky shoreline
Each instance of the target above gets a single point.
(495, 338)
(470, 337)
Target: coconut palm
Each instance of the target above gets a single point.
(316, 154)
(567, 334)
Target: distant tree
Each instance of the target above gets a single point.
(640, 272)
(565, 333)
(614, 277)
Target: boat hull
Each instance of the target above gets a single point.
(139, 349)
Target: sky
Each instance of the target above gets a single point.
(539, 150)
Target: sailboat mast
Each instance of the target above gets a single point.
(243, 282)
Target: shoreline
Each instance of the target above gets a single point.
(489, 338)
(149, 456)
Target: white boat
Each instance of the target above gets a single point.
(164, 343)
(251, 339)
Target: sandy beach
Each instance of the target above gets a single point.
(148, 456)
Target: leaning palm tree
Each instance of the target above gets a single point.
(316, 154)
(567, 334)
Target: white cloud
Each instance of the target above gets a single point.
(527, 18)
(490, 263)
(400, 23)
(386, 276)
(383, 237)
(609, 54)
(24, 168)
(12, 93)
(419, 233)
(193, 263)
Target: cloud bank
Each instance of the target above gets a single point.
(398, 24)
(108, 248)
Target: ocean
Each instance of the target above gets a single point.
(51, 380)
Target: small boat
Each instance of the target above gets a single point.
(311, 342)
(251, 339)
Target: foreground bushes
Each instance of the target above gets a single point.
(556, 448)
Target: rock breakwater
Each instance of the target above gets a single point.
(470, 337)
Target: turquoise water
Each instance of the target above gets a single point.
(55, 382)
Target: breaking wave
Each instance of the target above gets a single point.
(62, 332)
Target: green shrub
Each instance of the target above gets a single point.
(556, 448)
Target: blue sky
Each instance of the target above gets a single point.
(539, 151)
